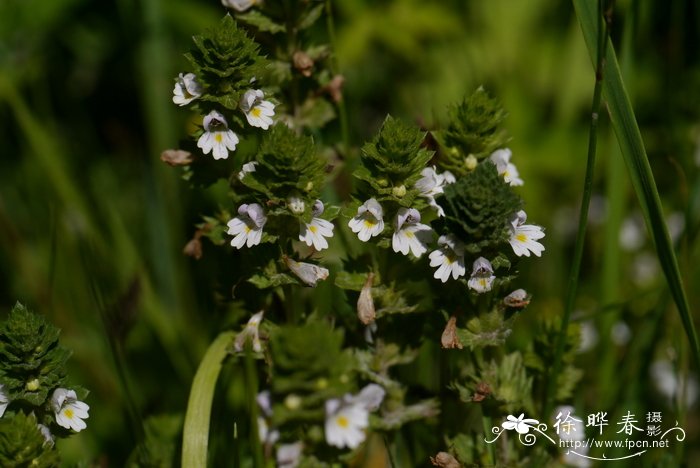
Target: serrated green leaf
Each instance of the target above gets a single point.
(258, 20)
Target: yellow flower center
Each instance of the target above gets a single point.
(410, 234)
(247, 229)
(68, 413)
(218, 137)
(256, 112)
(369, 223)
(313, 229)
(342, 422)
(521, 237)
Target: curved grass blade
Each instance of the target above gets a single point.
(632, 147)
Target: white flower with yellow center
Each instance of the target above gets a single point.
(247, 226)
(315, 232)
(250, 332)
(410, 234)
(523, 237)
(432, 184)
(347, 419)
(506, 169)
(186, 89)
(217, 138)
(449, 258)
(4, 400)
(368, 222)
(240, 5)
(482, 276)
(258, 111)
(68, 410)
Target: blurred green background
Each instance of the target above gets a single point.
(92, 224)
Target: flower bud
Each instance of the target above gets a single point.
(449, 337)
(399, 191)
(365, 303)
(309, 273)
(470, 162)
(296, 204)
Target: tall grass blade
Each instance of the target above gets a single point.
(632, 148)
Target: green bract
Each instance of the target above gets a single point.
(287, 164)
(478, 208)
(392, 162)
(225, 61)
(474, 129)
(22, 444)
(32, 363)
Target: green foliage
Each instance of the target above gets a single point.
(309, 362)
(225, 60)
(287, 165)
(32, 363)
(478, 208)
(488, 329)
(392, 162)
(23, 445)
(474, 128)
(159, 449)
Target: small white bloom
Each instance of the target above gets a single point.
(449, 258)
(48, 437)
(501, 158)
(432, 185)
(264, 402)
(217, 137)
(240, 5)
(68, 410)
(247, 226)
(368, 222)
(267, 436)
(252, 332)
(296, 204)
(523, 237)
(482, 276)
(186, 89)
(410, 234)
(370, 397)
(247, 168)
(520, 424)
(309, 273)
(288, 455)
(315, 232)
(345, 424)
(4, 400)
(258, 112)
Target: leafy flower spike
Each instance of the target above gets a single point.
(247, 226)
(368, 222)
(217, 137)
(523, 237)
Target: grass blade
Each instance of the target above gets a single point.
(632, 147)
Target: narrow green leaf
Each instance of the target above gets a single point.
(632, 148)
(195, 439)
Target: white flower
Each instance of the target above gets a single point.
(482, 276)
(252, 331)
(345, 424)
(264, 402)
(315, 232)
(4, 400)
(266, 436)
(247, 227)
(48, 437)
(521, 425)
(217, 137)
(449, 258)
(258, 112)
(410, 233)
(296, 204)
(288, 455)
(368, 222)
(523, 237)
(432, 184)
(370, 397)
(68, 410)
(240, 5)
(186, 89)
(247, 168)
(501, 158)
(309, 273)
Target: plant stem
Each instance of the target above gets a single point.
(603, 32)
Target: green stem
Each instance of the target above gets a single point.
(251, 377)
(195, 438)
(570, 300)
